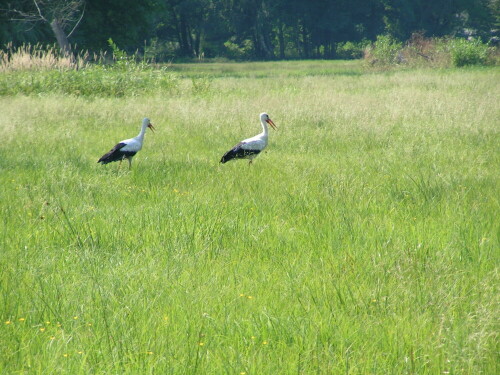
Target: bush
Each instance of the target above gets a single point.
(239, 52)
(468, 52)
(386, 49)
(431, 52)
(350, 50)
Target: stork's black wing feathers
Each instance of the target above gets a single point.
(237, 152)
(116, 154)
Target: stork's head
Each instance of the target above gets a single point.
(148, 123)
(264, 117)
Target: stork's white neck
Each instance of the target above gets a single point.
(264, 127)
(142, 132)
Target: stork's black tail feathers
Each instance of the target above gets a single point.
(230, 155)
(115, 154)
(105, 159)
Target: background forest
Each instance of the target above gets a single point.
(240, 29)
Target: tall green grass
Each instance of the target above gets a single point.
(363, 240)
(92, 81)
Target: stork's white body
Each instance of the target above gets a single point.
(257, 142)
(134, 144)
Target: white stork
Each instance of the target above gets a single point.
(127, 148)
(251, 147)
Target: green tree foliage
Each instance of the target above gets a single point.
(257, 29)
(128, 22)
(436, 18)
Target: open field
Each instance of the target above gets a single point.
(365, 240)
(271, 69)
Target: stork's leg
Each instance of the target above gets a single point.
(129, 163)
(250, 162)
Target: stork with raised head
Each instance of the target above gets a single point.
(127, 148)
(251, 147)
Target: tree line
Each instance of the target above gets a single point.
(240, 29)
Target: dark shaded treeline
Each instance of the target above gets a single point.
(251, 29)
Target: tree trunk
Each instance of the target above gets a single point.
(305, 42)
(297, 40)
(263, 46)
(190, 41)
(198, 42)
(62, 40)
(281, 41)
(183, 34)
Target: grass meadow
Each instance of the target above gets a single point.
(364, 240)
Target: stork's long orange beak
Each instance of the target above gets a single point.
(151, 127)
(270, 122)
